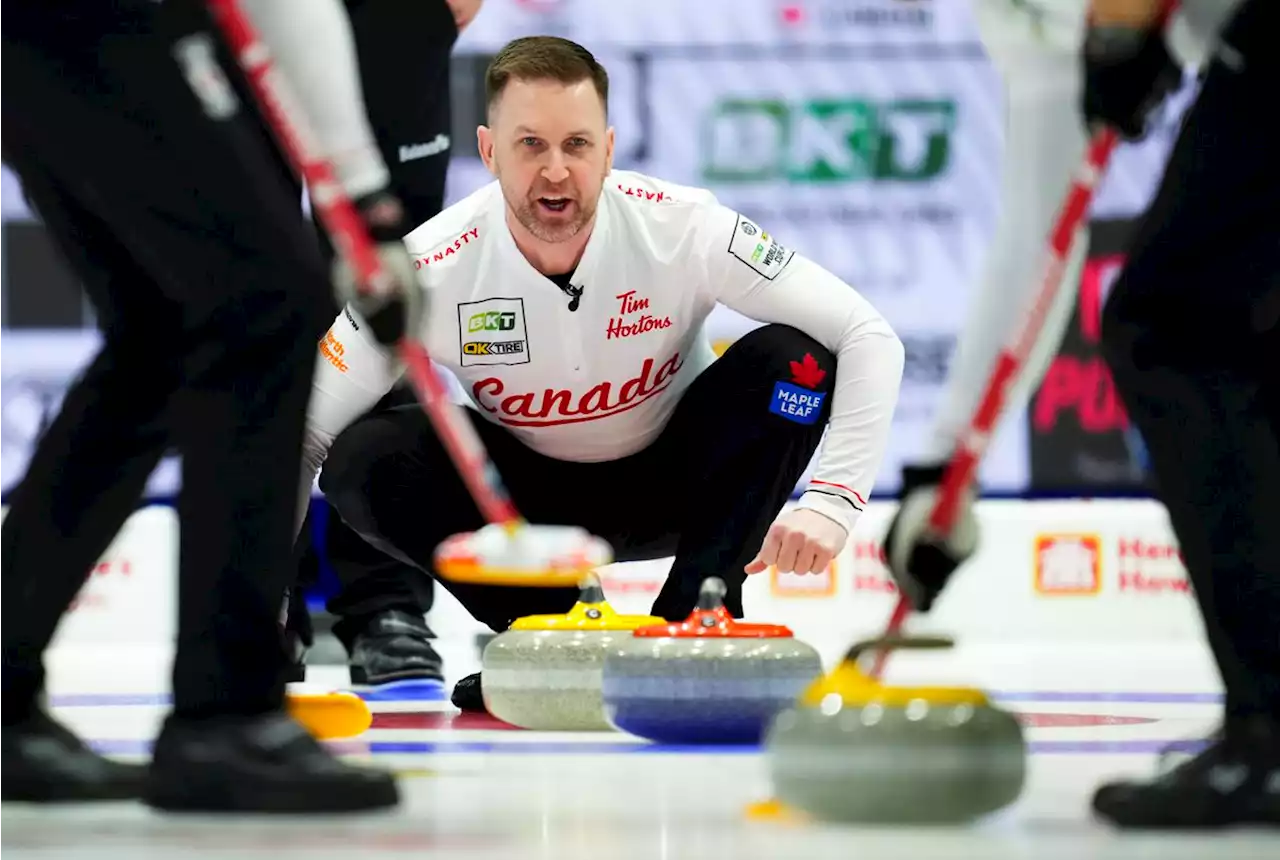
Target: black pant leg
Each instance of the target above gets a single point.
(370, 580)
(741, 461)
(51, 536)
(1190, 333)
(404, 51)
(213, 234)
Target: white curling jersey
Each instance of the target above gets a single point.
(600, 381)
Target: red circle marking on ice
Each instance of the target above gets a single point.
(1064, 721)
(792, 14)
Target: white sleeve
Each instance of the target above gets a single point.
(312, 44)
(352, 374)
(749, 271)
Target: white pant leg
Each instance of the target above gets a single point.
(1035, 48)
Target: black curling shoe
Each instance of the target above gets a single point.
(1233, 781)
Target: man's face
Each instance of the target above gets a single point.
(549, 147)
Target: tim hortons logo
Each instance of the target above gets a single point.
(629, 306)
(553, 406)
(1151, 567)
(448, 250)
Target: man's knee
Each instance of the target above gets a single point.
(785, 354)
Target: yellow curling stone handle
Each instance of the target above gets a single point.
(330, 716)
(591, 612)
(856, 688)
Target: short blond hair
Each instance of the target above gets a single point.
(544, 58)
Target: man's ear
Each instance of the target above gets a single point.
(484, 143)
(608, 151)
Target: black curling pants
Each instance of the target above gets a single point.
(706, 490)
(208, 285)
(1191, 334)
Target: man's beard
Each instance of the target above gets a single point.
(546, 227)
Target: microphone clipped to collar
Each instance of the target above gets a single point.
(574, 294)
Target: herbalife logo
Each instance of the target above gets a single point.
(828, 140)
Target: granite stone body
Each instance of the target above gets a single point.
(544, 673)
(708, 680)
(855, 751)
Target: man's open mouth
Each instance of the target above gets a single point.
(554, 204)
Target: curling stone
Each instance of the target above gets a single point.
(544, 673)
(707, 680)
(522, 554)
(327, 714)
(853, 750)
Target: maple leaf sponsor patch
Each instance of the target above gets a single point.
(806, 372)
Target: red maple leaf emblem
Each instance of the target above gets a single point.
(807, 372)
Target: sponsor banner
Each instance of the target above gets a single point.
(130, 595)
(500, 21)
(887, 178)
(1080, 437)
(681, 25)
(1060, 572)
(1063, 573)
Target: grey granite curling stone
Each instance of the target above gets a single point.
(544, 673)
(854, 750)
(707, 680)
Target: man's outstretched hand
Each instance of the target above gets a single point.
(799, 541)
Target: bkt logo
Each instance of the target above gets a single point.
(506, 347)
(828, 140)
(492, 321)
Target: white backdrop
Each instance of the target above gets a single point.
(865, 133)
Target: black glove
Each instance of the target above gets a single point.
(1127, 73)
(392, 312)
(921, 563)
